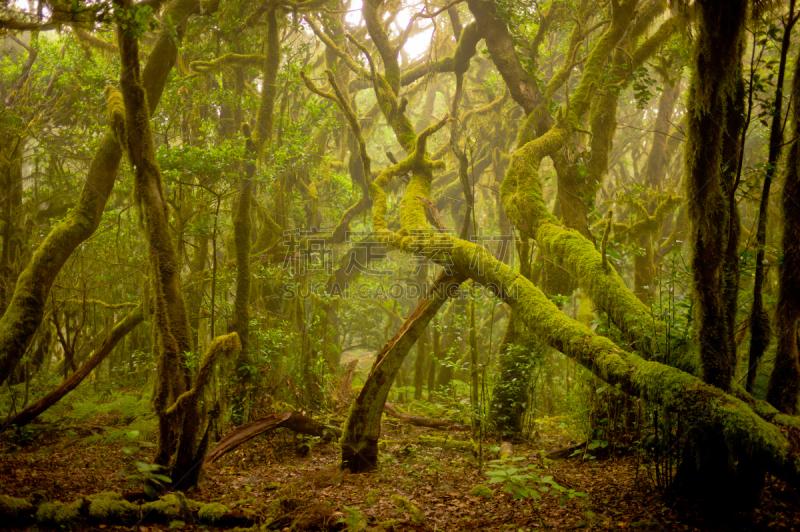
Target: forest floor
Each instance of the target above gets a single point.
(268, 478)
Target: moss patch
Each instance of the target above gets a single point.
(211, 512)
(372, 497)
(413, 511)
(59, 513)
(481, 490)
(168, 507)
(12, 507)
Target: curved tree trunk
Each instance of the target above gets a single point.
(182, 431)
(363, 426)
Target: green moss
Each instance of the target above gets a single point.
(116, 114)
(413, 511)
(211, 512)
(481, 490)
(12, 507)
(168, 507)
(228, 60)
(59, 513)
(372, 497)
(109, 506)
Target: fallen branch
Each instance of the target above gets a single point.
(422, 421)
(347, 381)
(126, 325)
(432, 441)
(295, 421)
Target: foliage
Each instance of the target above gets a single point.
(525, 481)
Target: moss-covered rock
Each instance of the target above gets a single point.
(108, 506)
(59, 513)
(212, 512)
(13, 507)
(481, 490)
(414, 513)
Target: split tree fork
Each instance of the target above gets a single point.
(185, 414)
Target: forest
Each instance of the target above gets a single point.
(371, 265)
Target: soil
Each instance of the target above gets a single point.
(296, 482)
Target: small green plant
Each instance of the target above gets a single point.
(354, 520)
(525, 482)
(146, 476)
(140, 473)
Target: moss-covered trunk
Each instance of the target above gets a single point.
(11, 190)
(182, 434)
(242, 225)
(26, 308)
(713, 81)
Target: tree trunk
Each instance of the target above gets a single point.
(363, 426)
(760, 327)
(182, 438)
(784, 383)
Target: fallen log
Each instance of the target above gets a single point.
(110, 508)
(422, 421)
(296, 421)
(433, 441)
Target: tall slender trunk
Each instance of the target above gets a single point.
(784, 382)
(760, 327)
(242, 225)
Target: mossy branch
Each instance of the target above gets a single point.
(94, 42)
(337, 51)
(604, 242)
(649, 47)
(222, 348)
(226, 61)
(116, 114)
